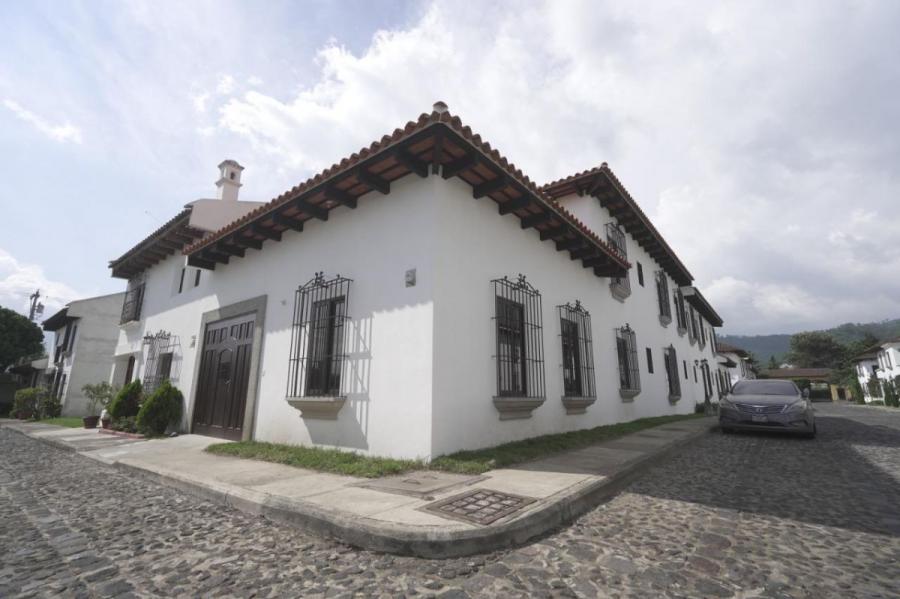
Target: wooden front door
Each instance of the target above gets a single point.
(224, 377)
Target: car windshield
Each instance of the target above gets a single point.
(765, 388)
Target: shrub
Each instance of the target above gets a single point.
(160, 410)
(26, 403)
(856, 390)
(99, 396)
(876, 402)
(126, 425)
(48, 406)
(890, 394)
(127, 402)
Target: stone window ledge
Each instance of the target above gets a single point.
(517, 408)
(682, 331)
(318, 408)
(628, 394)
(619, 292)
(577, 405)
(674, 398)
(665, 320)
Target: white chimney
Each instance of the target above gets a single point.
(229, 182)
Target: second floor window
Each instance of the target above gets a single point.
(577, 351)
(519, 349)
(134, 301)
(680, 314)
(615, 236)
(317, 337)
(692, 325)
(662, 296)
(702, 335)
(626, 350)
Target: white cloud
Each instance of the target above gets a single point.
(19, 280)
(226, 85)
(62, 133)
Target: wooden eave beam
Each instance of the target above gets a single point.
(553, 233)
(453, 168)
(373, 181)
(594, 261)
(411, 162)
(569, 244)
(244, 241)
(536, 219)
(287, 221)
(340, 196)
(513, 205)
(211, 254)
(230, 250)
(577, 254)
(489, 187)
(437, 153)
(266, 232)
(311, 209)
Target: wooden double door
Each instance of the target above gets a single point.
(224, 377)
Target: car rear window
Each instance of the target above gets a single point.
(765, 388)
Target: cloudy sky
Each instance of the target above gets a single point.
(761, 137)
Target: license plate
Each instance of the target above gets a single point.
(755, 418)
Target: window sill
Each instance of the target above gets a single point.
(318, 408)
(674, 398)
(619, 292)
(577, 405)
(130, 324)
(682, 331)
(665, 320)
(517, 408)
(629, 394)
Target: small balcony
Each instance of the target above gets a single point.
(131, 307)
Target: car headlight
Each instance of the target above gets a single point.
(797, 406)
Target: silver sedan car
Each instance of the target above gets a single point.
(767, 405)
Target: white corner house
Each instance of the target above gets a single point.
(419, 297)
(735, 361)
(85, 332)
(881, 363)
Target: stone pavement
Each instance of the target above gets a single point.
(458, 515)
(741, 516)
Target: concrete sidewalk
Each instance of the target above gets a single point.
(425, 513)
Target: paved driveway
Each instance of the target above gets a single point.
(742, 515)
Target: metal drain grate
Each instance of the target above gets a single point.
(480, 506)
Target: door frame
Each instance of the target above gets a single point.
(256, 306)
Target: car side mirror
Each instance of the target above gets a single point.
(806, 394)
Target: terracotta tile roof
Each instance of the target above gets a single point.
(797, 373)
(728, 348)
(137, 258)
(426, 122)
(579, 181)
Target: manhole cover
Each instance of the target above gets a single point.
(479, 506)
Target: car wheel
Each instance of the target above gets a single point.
(726, 430)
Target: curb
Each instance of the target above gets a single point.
(421, 541)
(51, 442)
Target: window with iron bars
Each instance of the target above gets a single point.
(670, 359)
(317, 355)
(680, 314)
(131, 307)
(577, 351)
(615, 236)
(161, 348)
(520, 346)
(692, 325)
(629, 373)
(702, 335)
(662, 296)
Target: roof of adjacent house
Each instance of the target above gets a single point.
(696, 299)
(727, 362)
(437, 143)
(870, 353)
(797, 373)
(732, 349)
(169, 238)
(58, 320)
(601, 183)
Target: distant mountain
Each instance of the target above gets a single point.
(779, 344)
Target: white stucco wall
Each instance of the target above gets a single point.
(476, 245)
(389, 370)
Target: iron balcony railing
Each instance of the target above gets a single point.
(131, 307)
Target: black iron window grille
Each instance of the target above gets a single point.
(318, 355)
(692, 325)
(520, 345)
(680, 314)
(577, 351)
(670, 359)
(131, 307)
(662, 296)
(161, 349)
(626, 349)
(702, 335)
(615, 236)
(707, 379)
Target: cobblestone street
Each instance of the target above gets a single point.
(729, 516)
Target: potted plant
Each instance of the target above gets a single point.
(99, 396)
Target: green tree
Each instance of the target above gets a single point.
(772, 363)
(856, 390)
(816, 349)
(19, 337)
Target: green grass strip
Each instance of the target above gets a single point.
(464, 462)
(64, 421)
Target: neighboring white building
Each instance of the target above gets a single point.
(421, 297)
(880, 362)
(735, 361)
(85, 333)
